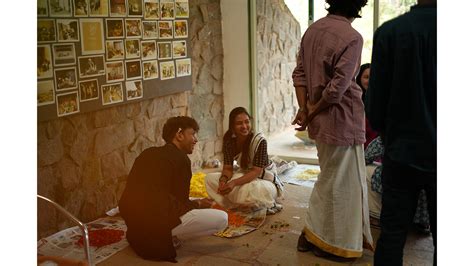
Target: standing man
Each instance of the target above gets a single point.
(155, 203)
(401, 105)
(331, 106)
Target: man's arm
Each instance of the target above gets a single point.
(299, 82)
(379, 83)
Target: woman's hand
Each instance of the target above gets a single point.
(205, 203)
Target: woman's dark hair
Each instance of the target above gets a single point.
(346, 8)
(244, 161)
(359, 76)
(174, 124)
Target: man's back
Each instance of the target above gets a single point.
(401, 101)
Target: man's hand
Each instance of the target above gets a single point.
(205, 203)
(226, 188)
(300, 119)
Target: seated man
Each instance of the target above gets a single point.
(155, 203)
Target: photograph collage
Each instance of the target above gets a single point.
(103, 50)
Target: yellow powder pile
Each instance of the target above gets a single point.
(308, 174)
(198, 188)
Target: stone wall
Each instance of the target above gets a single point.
(278, 38)
(84, 159)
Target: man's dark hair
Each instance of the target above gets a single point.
(346, 8)
(174, 124)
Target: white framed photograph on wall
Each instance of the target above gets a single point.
(118, 8)
(164, 50)
(167, 9)
(150, 69)
(81, 8)
(88, 90)
(134, 89)
(167, 70)
(64, 54)
(114, 50)
(133, 28)
(133, 69)
(182, 9)
(68, 30)
(132, 48)
(45, 92)
(60, 8)
(179, 49)
(65, 78)
(112, 93)
(114, 28)
(67, 103)
(44, 66)
(46, 30)
(114, 71)
(148, 50)
(135, 8)
(92, 36)
(183, 67)
(98, 8)
(180, 28)
(91, 66)
(150, 30)
(165, 29)
(152, 9)
(42, 8)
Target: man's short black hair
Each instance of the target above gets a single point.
(174, 124)
(346, 8)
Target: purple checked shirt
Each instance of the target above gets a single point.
(327, 65)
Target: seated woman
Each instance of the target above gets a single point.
(253, 183)
(373, 153)
(362, 80)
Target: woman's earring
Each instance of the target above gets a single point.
(233, 135)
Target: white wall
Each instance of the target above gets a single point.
(235, 41)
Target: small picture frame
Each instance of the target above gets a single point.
(167, 9)
(92, 39)
(135, 8)
(44, 66)
(118, 8)
(182, 9)
(165, 29)
(148, 50)
(91, 66)
(152, 9)
(67, 103)
(68, 30)
(114, 71)
(42, 10)
(65, 78)
(132, 48)
(88, 90)
(150, 69)
(134, 89)
(46, 30)
(112, 93)
(133, 28)
(64, 54)
(133, 69)
(150, 30)
(183, 67)
(114, 50)
(98, 8)
(179, 49)
(167, 70)
(164, 50)
(114, 28)
(60, 8)
(180, 28)
(81, 8)
(45, 92)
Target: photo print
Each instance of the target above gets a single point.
(91, 66)
(135, 8)
(112, 93)
(132, 48)
(152, 9)
(118, 8)
(164, 50)
(165, 29)
(92, 39)
(68, 30)
(44, 66)
(134, 89)
(180, 28)
(150, 30)
(60, 8)
(45, 92)
(133, 28)
(65, 78)
(89, 90)
(167, 9)
(114, 50)
(150, 69)
(182, 9)
(179, 49)
(114, 71)
(98, 8)
(148, 50)
(133, 69)
(114, 28)
(64, 54)
(183, 67)
(167, 70)
(46, 30)
(42, 9)
(67, 103)
(81, 8)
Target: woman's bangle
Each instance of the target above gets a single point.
(223, 178)
(302, 109)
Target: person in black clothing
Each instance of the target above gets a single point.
(401, 106)
(155, 203)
